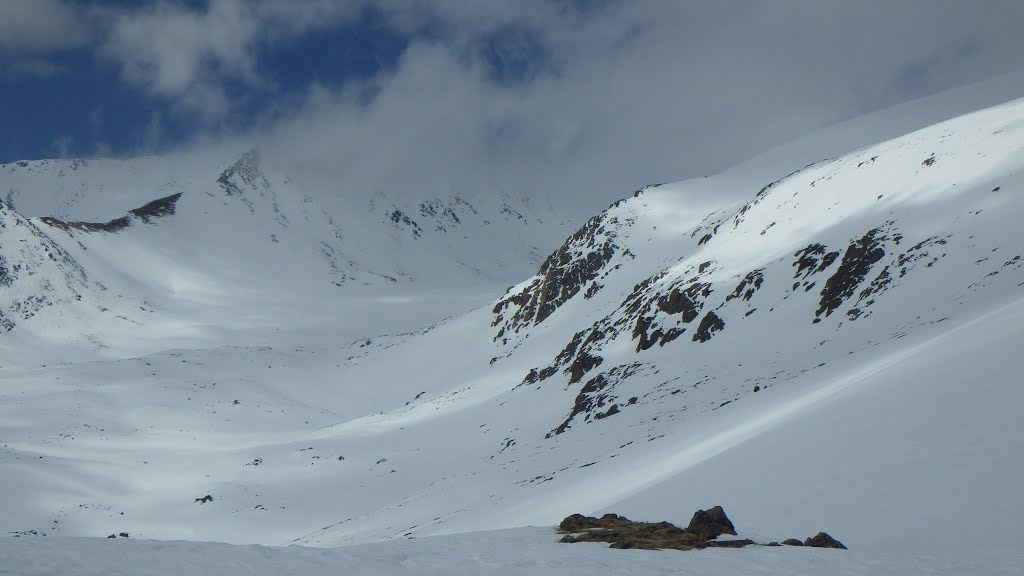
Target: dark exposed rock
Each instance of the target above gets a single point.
(823, 540)
(563, 274)
(711, 523)
(115, 225)
(246, 170)
(746, 288)
(578, 523)
(708, 326)
(576, 352)
(595, 396)
(157, 208)
(686, 301)
(812, 260)
(877, 286)
(399, 217)
(443, 214)
(856, 264)
(510, 212)
(730, 543)
(585, 362)
(704, 529)
(646, 338)
(586, 401)
(622, 533)
(204, 499)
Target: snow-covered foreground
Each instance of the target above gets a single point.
(831, 345)
(527, 551)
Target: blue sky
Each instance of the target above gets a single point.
(83, 106)
(504, 94)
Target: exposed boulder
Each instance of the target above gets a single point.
(708, 326)
(792, 542)
(578, 523)
(711, 524)
(823, 540)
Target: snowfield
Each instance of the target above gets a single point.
(527, 551)
(823, 338)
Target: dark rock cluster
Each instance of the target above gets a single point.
(594, 401)
(158, 208)
(702, 532)
(147, 213)
(245, 172)
(579, 261)
(857, 261)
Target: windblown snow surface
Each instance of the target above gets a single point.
(818, 339)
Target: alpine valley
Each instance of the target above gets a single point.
(205, 347)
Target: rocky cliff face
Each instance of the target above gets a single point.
(843, 246)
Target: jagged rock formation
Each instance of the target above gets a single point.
(580, 262)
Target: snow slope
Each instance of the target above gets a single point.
(829, 347)
(526, 551)
(160, 252)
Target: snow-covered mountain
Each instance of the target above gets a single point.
(831, 345)
(98, 252)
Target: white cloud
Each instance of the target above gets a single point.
(33, 67)
(41, 26)
(630, 94)
(186, 55)
(618, 94)
(177, 53)
(60, 146)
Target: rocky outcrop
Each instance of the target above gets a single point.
(115, 225)
(595, 401)
(860, 255)
(623, 533)
(562, 275)
(703, 531)
(823, 540)
(711, 523)
(244, 173)
(159, 208)
(708, 326)
(147, 213)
